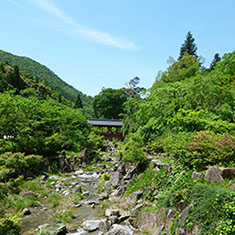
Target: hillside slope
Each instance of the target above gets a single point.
(44, 74)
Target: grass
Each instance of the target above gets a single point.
(19, 203)
(64, 217)
(54, 199)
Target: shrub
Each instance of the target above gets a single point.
(10, 224)
(207, 148)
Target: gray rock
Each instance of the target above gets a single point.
(103, 196)
(197, 175)
(26, 211)
(104, 225)
(147, 221)
(91, 225)
(133, 197)
(80, 231)
(109, 213)
(183, 217)
(137, 207)
(43, 226)
(118, 229)
(213, 175)
(116, 178)
(158, 230)
(113, 219)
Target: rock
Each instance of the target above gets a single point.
(116, 179)
(169, 218)
(103, 196)
(124, 217)
(43, 178)
(147, 221)
(118, 229)
(78, 172)
(153, 222)
(104, 225)
(26, 211)
(137, 207)
(133, 197)
(78, 189)
(113, 219)
(227, 172)
(109, 213)
(43, 226)
(78, 205)
(83, 156)
(91, 225)
(80, 231)
(54, 177)
(213, 175)
(197, 175)
(66, 193)
(232, 187)
(118, 192)
(61, 230)
(183, 217)
(93, 202)
(158, 230)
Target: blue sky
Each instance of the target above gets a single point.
(92, 44)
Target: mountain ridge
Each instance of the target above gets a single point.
(44, 74)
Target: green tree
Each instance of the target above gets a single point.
(78, 102)
(215, 61)
(188, 46)
(187, 67)
(109, 103)
(132, 90)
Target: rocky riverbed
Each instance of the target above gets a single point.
(92, 199)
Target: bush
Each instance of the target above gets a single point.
(131, 152)
(208, 149)
(16, 164)
(10, 224)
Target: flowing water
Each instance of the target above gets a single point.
(46, 215)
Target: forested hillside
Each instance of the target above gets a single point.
(45, 75)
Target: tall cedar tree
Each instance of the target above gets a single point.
(215, 61)
(78, 102)
(188, 46)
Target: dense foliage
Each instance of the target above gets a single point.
(33, 119)
(109, 103)
(45, 75)
(184, 102)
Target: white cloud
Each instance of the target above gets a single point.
(101, 37)
(15, 3)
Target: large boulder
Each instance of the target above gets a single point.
(104, 225)
(118, 229)
(213, 175)
(91, 225)
(148, 221)
(116, 179)
(227, 172)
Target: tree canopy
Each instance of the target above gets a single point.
(188, 46)
(109, 103)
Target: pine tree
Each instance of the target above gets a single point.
(215, 61)
(188, 46)
(78, 102)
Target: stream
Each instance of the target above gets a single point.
(44, 216)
